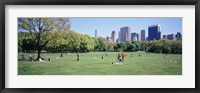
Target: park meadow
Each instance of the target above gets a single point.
(92, 64)
(48, 46)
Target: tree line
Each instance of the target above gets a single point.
(70, 41)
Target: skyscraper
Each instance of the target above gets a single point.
(147, 38)
(133, 36)
(117, 41)
(125, 34)
(119, 36)
(138, 37)
(171, 36)
(108, 38)
(113, 36)
(143, 35)
(165, 36)
(154, 32)
(178, 36)
(96, 33)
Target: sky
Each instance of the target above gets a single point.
(105, 25)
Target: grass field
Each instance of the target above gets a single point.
(92, 64)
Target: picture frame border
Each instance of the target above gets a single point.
(3, 3)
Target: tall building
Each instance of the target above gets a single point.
(119, 36)
(138, 37)
(160, 34)
(178, 36)
(165, 36)
(147, 38)
(113, 36)
(96, 33)
(125, 34)
(117, 41)
(143, 35)
(107, 38)
(171, 36)
(154, 32)
(133, 36)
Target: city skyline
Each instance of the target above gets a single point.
(105, 26)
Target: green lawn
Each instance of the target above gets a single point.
(92, 64)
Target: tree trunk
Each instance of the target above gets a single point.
(39, 52)
(40, 47)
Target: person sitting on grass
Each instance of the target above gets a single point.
(43, 59)
(123, 55)
(49, 59)
(118, 57)
(117, 63)
(102, 56)
(30, 58)
(40, 60)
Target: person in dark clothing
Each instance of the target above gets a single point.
(102, 56)
(118, 57)
(49, 59)
(61, 55)
(78, 56)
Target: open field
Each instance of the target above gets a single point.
(92, 64)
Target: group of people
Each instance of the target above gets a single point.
(39, 59)
(121, 55)
(31, 58)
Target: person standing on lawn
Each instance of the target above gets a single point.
(123, 55)
(78, 56)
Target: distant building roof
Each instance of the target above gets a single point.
(154, 25)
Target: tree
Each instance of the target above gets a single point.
(87, 43)
(74, 40)
(59, 41)
(144, 45)
(20, 44)
(26, 42)
(130, 46)
(165, 46)
(111, 46)
(176, 47)
(102, 44)
(41, 28)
